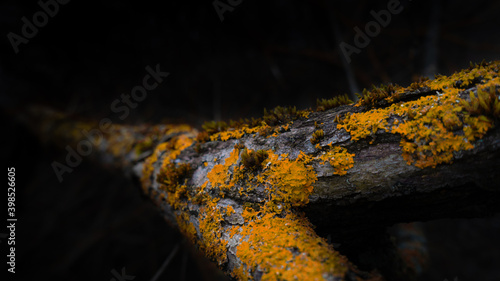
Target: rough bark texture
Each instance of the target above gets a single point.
(249, 194)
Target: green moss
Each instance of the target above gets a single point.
(370, 98)
(280, 115)
(485, 103)
(317, 136)
(172, 175)
(202, 137)
(325, 104)
(418, 84)
(212, 127)
(252, 160)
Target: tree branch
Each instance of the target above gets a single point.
(246, 193)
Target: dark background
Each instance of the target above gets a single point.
(264, 54)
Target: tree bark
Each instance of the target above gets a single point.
(255, 198)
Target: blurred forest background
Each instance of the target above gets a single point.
(264, 54)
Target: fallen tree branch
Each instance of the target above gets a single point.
(246, 193)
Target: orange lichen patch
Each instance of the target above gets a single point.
(186, 227)
(432, 128)
(175, 198)
(171, 148)
(270, 242)
(286, 182)
(429, 139)
(285, 248)
(477, 74)
(249, 214)
(229, 211)
(234, 230)
(304, 158)
(177, 145)
(155, 133)
(147, 171)
(212, 244)
(240, 132)
(361, 125)
(339, 158)
(148, 168)
(285, 127)
(174, 147)
(172, 181)
(226, 135)
(219, 175)
(290, 181)
(240, 273)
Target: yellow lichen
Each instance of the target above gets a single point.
(229, 210)
(432, 128)
(286, 181)
(186, 227)
(272, 242)
(361, 125)
(226, 135)
(212, 244)
(148, 169)
(270, 237)
(171, 150)
(289, 181)
(275, 238)
(339, 158)
(219, 175)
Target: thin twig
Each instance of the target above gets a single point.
(165, 264)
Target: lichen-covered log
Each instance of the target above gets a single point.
(246, 192)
